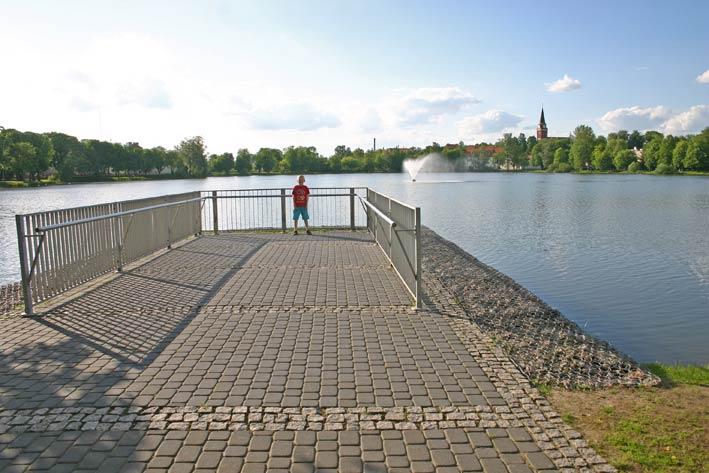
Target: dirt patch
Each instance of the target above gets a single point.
(662, 429)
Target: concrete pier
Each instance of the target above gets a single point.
(268, 352)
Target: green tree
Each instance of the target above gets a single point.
(334, 164)
(44, 152)
(69, 156)
(561, 156)
(623, 158)
(244, 162)
(636, 140)
(350, 164)
(651, 135)
(341, 151)
(266, 159)
(678, 154)
(102, 156)
(302, 159)
(615, 145)
(531, 142)
(221, 163)
(582, 147)
(651, 153)
(134, 158)
(24, 160)
(174, 163)
(601, 158)
(193, 154)
(664, 155)
(697, 156)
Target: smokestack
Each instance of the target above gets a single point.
(375, 144)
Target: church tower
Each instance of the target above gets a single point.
(542, 127)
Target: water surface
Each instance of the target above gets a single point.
(625, 256)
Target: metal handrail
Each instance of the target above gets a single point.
(259, 196)
(62, 248)
(113, 215)
(47, 228)
(402, 250)
(378, 212)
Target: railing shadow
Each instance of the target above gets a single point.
(129, 321)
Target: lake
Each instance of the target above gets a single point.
(625, 256)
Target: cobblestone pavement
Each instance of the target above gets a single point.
(267, 352)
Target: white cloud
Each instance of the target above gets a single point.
(703, 78)
(691, 121)
(492, 121)
(634, 118)
(656, 118)
(428, 105)
(564, 84)
(149, 93)
(299, 116)
(370, 121)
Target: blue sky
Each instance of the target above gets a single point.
(323, 73)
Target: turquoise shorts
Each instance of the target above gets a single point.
(300, 211)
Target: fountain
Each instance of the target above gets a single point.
(432, 162)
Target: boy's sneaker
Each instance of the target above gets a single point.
(309, 232)
(295, 232)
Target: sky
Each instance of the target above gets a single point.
(326, 73)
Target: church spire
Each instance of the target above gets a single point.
(542, 127)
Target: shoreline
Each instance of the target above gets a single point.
(545, 345)
(12, 184)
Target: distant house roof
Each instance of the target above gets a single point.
(471, 149)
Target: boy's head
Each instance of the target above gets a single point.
(301, 179)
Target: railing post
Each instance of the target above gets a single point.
(26, 283)
(352, 208)
(198, 216)
(283, 210)
(215, 213)
(418, 257)
(119, 239)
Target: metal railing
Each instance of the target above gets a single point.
(61, 249)
(396, 227)
(272, 209)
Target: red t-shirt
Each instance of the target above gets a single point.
(300, 196)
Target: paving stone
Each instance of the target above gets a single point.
(204, 331)
(209, 460)
(539, 461)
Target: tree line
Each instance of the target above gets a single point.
(620, 151)
(31, 156)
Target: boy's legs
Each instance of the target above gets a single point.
(307, 228)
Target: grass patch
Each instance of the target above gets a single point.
(681, 374)
(544, 389)
(660, 429)
(13, 184)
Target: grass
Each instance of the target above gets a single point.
(681, 374)
(659, 429)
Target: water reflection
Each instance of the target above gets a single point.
(628, 256)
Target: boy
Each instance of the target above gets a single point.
(300, 205)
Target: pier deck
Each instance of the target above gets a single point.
(266, 352)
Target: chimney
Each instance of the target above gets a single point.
(375, 144)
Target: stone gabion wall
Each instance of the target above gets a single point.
(10, 296)
(543, 343)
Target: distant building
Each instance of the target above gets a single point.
(542, 130)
